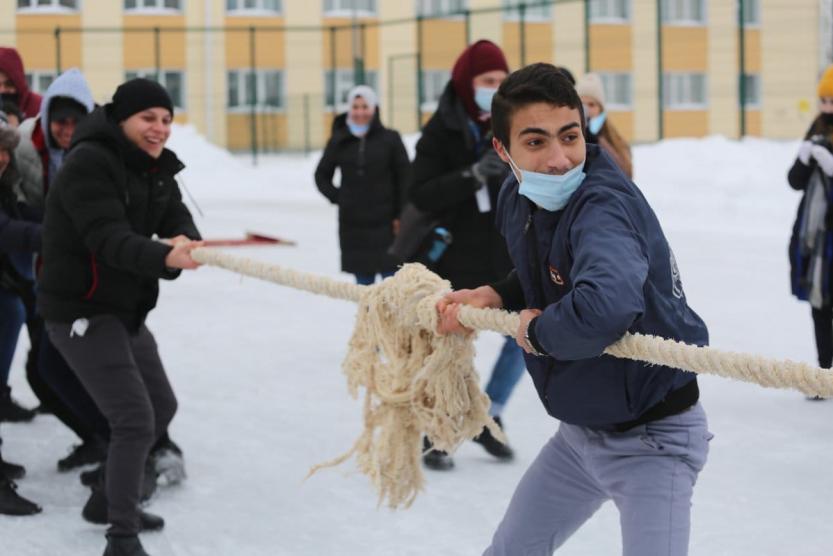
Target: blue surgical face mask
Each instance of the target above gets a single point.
(357, 129)
(483, 97)
(548, 191)
(595, 124)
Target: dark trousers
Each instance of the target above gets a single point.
(823, 323)
(124, 376)
(56, 386)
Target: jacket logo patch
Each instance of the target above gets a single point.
(555, 276)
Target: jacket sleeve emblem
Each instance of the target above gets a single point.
(555, 276)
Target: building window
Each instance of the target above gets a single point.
(441, 8)
(39, 81)
(341, 8)
(344, 81)
(152, 5)
(172, 80)
(617, 90)
(433, 85)
(752, 90)
(751, 12)
(249, 7)
(534, 11)
(685, 91)
(262, 89)
(684, 12)
(610, 11)
(54, 5)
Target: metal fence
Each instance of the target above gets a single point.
(262, 113)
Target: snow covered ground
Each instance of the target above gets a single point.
(262, 397)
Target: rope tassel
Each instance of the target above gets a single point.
(418, 382)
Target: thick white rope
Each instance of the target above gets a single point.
(418, 382)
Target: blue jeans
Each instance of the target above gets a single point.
(12, 318)
(648, 472)
(370, 279)
(508, 370)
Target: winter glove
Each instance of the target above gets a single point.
(824, 159)
(804, 152)
(489, 166)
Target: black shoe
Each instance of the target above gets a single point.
(90, 451)
(494, 446)
(124, 546)
(815, 399)
(435, 459)
(95, 511)
(10, 410)
(11, 470)
(11, 503)
(91, 477)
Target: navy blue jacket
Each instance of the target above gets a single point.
(598, 268)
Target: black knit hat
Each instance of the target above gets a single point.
(139, 94)
(62, 108)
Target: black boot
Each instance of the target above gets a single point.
(11, 470)
(168, 461)
(435, 459)
(95, 510)
(124, 546)
(10, 410)
(90, 477)
(494, 446)
(90, 451)
(11, 503)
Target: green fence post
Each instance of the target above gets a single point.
(57, 50)
(660, 77)
(253, 83)
(742, 68)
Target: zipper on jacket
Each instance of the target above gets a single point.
(360, 169)
(531, 240)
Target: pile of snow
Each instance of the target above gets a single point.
(262, 397)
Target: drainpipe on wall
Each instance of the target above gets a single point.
(208, 77)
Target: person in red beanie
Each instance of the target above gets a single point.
(456, 179)
(13, 86)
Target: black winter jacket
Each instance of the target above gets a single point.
(444, 186)
(108, 199)
(375, 172)
(20, 236)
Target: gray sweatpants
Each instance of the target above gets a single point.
(123, 374)
(649, 472)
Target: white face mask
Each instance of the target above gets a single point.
(549, 191)
(483, 97)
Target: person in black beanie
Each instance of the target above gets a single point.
(114, 193)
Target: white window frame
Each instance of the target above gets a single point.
(158, 8)
(755, 9)
(439, 9)
(242, 76)
(344, 82)
(345, 8)
(678, 80)
(614, 19)
(436, 79)
(54, 7)
(608, 83)
(753, 83)
(259, 10)
(671, 18)
(33, 79)
(533, 12)
(163, 80)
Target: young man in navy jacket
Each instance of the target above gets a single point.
(591, 263)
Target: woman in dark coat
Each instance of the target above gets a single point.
(811, 244)
(19, 240)
(374, 174)
(115, 191)
(456, 179)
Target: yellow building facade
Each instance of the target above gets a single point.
(271, 74)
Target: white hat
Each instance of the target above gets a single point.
(368, 94)
(590, 85)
